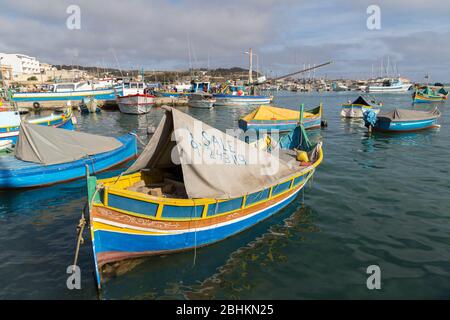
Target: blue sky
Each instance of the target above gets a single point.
(285, 34)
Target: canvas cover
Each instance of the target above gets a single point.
(214, 164)
(274, 113)
(409, 115)
(48, 145)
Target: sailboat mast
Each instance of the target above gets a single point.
(250, 69)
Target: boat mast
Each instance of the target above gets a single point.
(250, 71)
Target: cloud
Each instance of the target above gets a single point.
(177, 34)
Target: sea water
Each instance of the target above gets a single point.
(380, 200)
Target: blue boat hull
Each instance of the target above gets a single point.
(404, 126)
(15, 173)
(112, 242)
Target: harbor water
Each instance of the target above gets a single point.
(375, 200)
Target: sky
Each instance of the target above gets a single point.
(284, 34)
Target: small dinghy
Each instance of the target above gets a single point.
(357, 108)
(10, 122)
(401, 120)
(45, 155)
(192, 186)
(284, 120)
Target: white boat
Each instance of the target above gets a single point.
(201, 100)
(338, 87)
(357, 108)
(136, 103)
(389, 85)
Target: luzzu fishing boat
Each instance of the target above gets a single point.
(191, 191)
(237, 96)
(401, 120)
(45, 155)
(139, 103)
(10, 123)
(271, 118)
(357, 108)
(429, 94)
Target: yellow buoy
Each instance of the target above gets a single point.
(302, 156)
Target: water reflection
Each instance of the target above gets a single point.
(222, 265)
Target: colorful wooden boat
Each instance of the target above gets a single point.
(160, 206)
(88, 105)
(401, 120)
(357, 108)
(136, 103)
(272, 118)
(430, 94)
(6, 146)
(239, 96)
(61, 159)
(10, 123)
(389, 85)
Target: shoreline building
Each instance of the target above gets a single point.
(20, 64)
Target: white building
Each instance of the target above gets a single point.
(20, 63)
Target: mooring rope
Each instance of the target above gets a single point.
(82, 224)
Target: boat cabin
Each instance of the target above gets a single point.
(132, 88)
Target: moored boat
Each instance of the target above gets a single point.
(10, 122)
(88, 105)
(6, 145)
(401, 120)
(272, 118)
(136, 103)
(210, 191)
(66, 92)
(201, 100)
(389, 85)
(46, 155)
(429, 94)
(357, 108)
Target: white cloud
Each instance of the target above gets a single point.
(155, 34)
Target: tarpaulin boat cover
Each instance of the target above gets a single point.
(214, 164)
(273, 113)
(409, 115)
(48, 145)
